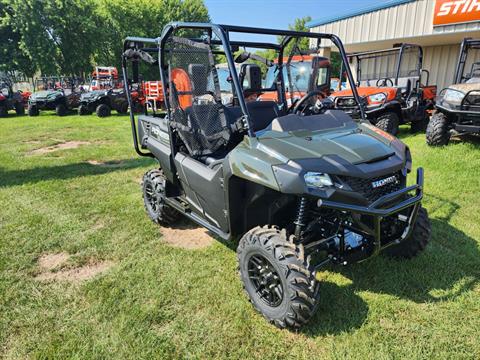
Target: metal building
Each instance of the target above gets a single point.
(439, 26)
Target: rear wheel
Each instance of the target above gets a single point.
(19, 109)
(153, 186)
(33, 110)
(103, 110)
(438, 132)
(388, 122)
(123, 108)
(416, 242)
(3, 111)
(83, 110)
(420, 125)
(276, 277)
(61, 110)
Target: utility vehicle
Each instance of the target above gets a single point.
(397, 94)
(458, 106)
(55, 93)
(302, 73)
(10, 100)
(107, 94)
(299, 186)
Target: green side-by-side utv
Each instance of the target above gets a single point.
(60, 94)
(298, 186)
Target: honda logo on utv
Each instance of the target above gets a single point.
(383, 182)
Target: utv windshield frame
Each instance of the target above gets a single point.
(143, 47)
(467, 44)
(417, 72)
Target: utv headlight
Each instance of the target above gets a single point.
(453, 96)
(317, 180)
(377, 98)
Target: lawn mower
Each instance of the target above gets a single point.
(10, 100)
(398, 96)
(55, 93)
(458, 106)
(299, 187)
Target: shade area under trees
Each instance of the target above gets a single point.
(68, 36)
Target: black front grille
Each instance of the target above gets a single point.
(366, 188)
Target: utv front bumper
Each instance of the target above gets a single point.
(386, 206)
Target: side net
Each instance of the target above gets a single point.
(195, 96)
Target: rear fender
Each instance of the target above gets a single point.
(153, 135)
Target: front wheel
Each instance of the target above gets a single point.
(438, 132)
(33, 110)
(416, 242)
(388, 122)
(276, 277)
(3, 111)
(61, 110)
(19, 109)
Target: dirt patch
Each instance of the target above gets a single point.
(187, 235)
(50, 263)
(111, 164)
(60, 146)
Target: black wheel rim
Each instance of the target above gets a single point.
(265, 280)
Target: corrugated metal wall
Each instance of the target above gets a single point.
(403, 21)
(399, 23)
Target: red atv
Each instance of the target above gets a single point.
(10, 100)
(398, 95)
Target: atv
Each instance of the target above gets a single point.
(10, 100)
(299, 187)
(458, 106)
(398, 95)
(55, 93)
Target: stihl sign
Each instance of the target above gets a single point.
(456, 11)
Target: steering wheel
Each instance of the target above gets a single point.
(301, 104)
(384, 82)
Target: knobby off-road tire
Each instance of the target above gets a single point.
(420, 125)
(416, 242)
(103, 110)
(123, 108)
(388, 122)
(61, 110)
(3, 111)
(153, 187)
(438, 132)
(19, 109)
(83, 110)
(33, 110)
(268, 251)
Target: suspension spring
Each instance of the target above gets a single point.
(301, 217)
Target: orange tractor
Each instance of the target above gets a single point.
(391, 85)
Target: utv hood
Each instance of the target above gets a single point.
(355, 145)
(42, 95)
(93, 94)
(366, 91)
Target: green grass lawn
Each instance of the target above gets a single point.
(158, 301)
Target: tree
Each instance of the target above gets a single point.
(14, 60)
(58, 36)
(122, 18)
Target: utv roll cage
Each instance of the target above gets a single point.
(465, 47)
(137, 48)
(395, 64)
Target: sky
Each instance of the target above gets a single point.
(277, 13)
